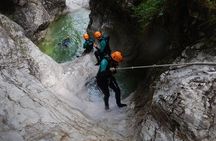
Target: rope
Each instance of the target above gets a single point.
(165, 65)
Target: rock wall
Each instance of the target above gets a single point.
(183, 103)
(34, 15)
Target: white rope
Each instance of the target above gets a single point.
(166, 65)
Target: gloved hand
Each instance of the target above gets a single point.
(96, 46)
(113, 69)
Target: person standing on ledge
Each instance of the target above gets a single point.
(88, 44)
(104, 48)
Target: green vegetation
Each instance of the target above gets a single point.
(211, 3)
(147, 10)
(210, 9)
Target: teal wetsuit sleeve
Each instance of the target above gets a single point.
(103, 65)
(102, 46)
(85, 44)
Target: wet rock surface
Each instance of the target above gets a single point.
(183, 103)
(42, 100)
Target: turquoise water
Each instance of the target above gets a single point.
(72, 26)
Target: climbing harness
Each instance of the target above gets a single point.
(165, 65)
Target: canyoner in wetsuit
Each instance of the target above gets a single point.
(88, 44)
(105, 78)
(104, 46)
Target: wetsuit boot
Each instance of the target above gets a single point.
(118, 100)
(106, 102)
(122, 105)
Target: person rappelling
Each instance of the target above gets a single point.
(104, 48)
(105, 78)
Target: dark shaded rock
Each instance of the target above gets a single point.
(33, 15)
(7, 6)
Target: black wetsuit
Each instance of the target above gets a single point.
(105, 79)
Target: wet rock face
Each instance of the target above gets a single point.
(35, 15)
(53, 6)
(183, 105)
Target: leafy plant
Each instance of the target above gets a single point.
(212, 3)
(147, 10)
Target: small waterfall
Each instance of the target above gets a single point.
(77, 4)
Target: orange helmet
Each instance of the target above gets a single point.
(97, 34)
(86, 36)
(117, 56)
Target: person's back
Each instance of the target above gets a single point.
(104, 72)
(104, 46)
